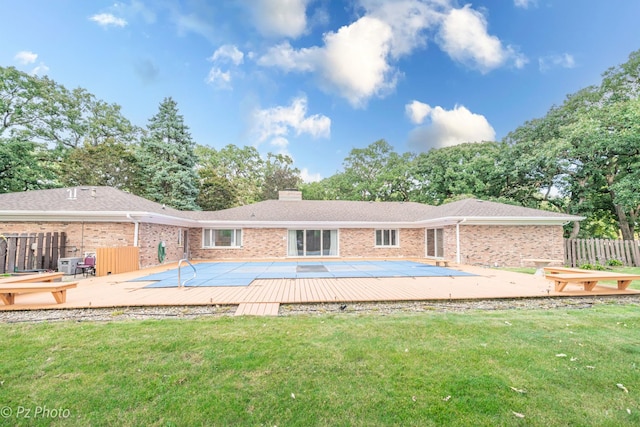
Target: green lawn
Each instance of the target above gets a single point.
(473, 368)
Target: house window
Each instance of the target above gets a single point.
(312, 243)
(214, 238)
(180, 242)
(387, 238)
(435, 242)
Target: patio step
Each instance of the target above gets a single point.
(258, 309)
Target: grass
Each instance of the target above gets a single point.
(472, 368)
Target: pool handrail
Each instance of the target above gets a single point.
(180, 283)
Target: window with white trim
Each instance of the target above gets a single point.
(180, 242)
(387, 238)
(219, 238)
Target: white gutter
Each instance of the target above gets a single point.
(502, 220)
(136, 229)
(458, 255)
(222, 224)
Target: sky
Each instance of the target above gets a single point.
(316, 78)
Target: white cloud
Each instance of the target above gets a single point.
(276, 124)
(564, 60)
(451, 127)
(525, 3)
(138, 8)
(464, 37)
(26, 57)
(40, 70)
(417, 111)
(308, 176)
(279, 18)
(223, 55)
(227, 53)
(357, 62)
(219, 79)
(352, 63)
(408, 20)
(193, 23)
(285, 57)
(107, 19)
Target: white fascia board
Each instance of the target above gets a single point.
(505, 220)
(302, 225)
(103, 216)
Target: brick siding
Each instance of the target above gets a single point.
(505, 245)
(256, 243)
(361, 242)
(487, 244)
(81, 237)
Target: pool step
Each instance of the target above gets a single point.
(258, 309)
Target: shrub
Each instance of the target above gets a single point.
(598, 267)
(614, 263)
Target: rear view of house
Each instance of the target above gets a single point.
(469, 231)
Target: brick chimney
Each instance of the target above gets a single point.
(290, 195)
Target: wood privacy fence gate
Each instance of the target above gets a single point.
(117, 260)
(33, 251)
(599, 251)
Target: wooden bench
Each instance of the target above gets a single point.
(27, 278)
(557, 270)
(590, 279)
(444, 262)
(8, 291)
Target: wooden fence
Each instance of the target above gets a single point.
(600, 251)
(117, 260)
(34, 251)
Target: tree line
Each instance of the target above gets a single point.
(581, 158)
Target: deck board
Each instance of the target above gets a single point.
(117, 291)
(257, 309)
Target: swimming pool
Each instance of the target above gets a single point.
(243, 273)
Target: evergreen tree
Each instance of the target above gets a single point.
(168, 160)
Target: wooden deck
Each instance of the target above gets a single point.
(264, 295)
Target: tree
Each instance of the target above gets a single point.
(279, 175)
(38, 109)
(110, 163)
(167, 159)
(24, 166)
(588, 149)
(243, 168)
(377, 172)
(215, 192)
(470, 169)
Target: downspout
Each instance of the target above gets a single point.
(458, 255)
(135, 230)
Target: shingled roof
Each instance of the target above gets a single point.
(80, 199)
(110, 204)
(321, 210)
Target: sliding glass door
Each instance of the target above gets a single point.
(435, 242)
(313, 243)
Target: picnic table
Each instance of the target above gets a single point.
(30, 283)
(587, 278)
(540, 264)
(39, 277)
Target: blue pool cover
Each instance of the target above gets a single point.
(243, 273)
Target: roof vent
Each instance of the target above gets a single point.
(290, 195)
(72, 193)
